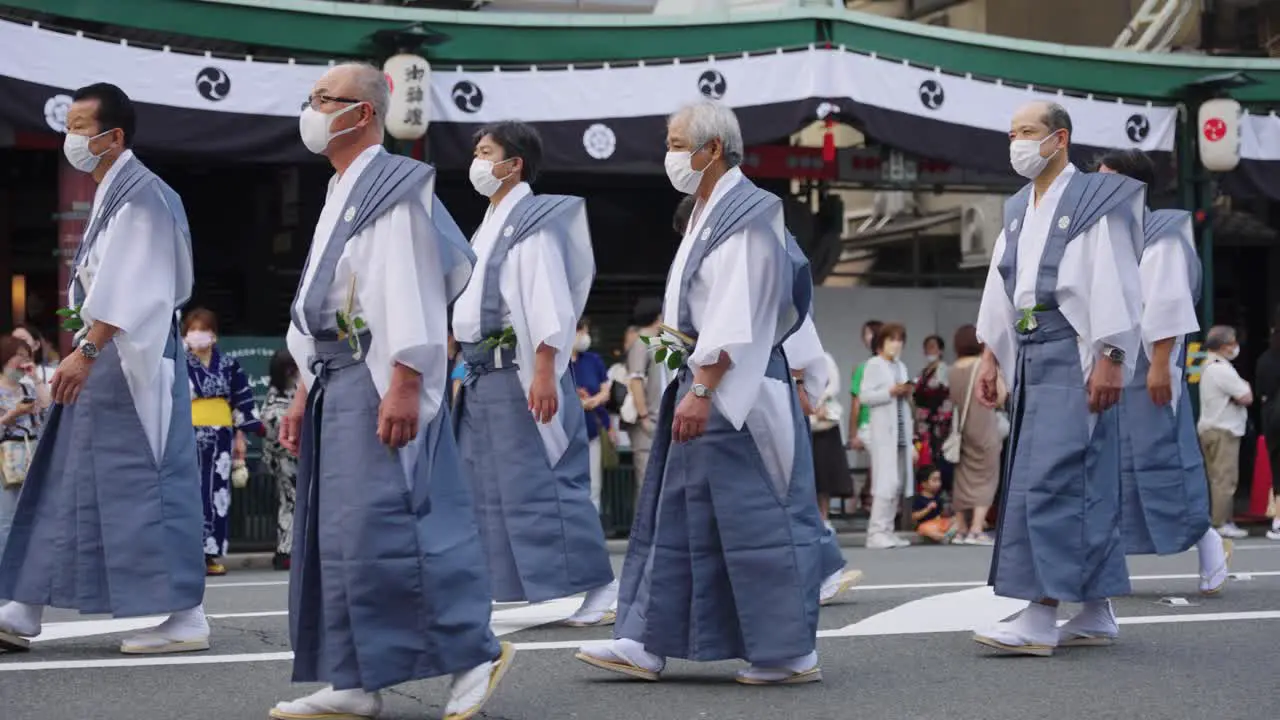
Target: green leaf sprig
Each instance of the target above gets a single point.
(71, 320)
(1027, 322)
(349, 329)
(669, 347)
(351, 325)
(505, 340)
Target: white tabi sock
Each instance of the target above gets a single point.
(1213, 554)
(329, 702)
(778, 670)
(1037, 623)
(183, 631)
(596, 605)
(21, 619)
(629, 651)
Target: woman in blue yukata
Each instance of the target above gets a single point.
(222, 411)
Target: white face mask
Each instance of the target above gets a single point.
(199, 339)
(1024, 156)
(681, 173)
(313, 127)
(482, 177)
(582, 343)
(76, 149)
(1233, 353)
(930, 359)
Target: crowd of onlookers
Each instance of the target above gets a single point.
(911, 434)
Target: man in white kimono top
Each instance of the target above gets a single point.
(387, 581)
(521, 433)
(111, 525)
(1165, 491)
(1060, 318)
(725, 558)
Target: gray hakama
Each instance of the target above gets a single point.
(101, 527)
(724, 561)
(1059, 533)
(1165, 492)
(388, 581)
(541, 533)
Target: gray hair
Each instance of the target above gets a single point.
(1219, 336)
(707, 120)
(371, 87)
(1057, 118)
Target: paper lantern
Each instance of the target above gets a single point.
(1218, 131)
(409, 78)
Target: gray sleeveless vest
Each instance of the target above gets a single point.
(531, 214)
(131, 184)
(1160, 223)
(741, 207)
(1087, 198)
(384, 183)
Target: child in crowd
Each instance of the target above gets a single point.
(926, 509)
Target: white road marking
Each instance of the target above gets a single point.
(504, 621)
(965, 610)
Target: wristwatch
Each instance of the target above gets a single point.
(89, 350)
(701, 391)
(1114, 354)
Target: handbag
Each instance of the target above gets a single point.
(608, 451)
(15, 459)
(951, 446)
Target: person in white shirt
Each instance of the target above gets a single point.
(1224, 397)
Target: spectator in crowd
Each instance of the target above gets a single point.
(593, 384)
(860, 419)
(647, 380)
(830, 466)
(1266, 379)
(43, 366)
(926, 509)
(977, 474)
(19, 425)
(1224, 399)
(933, 406)
(281, 464)
(222, 410)
(886, 390)
(457, 368)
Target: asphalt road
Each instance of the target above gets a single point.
(898, 648)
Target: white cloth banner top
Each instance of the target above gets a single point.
(199, 82)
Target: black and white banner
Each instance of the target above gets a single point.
(1259, 170)
(598, 119)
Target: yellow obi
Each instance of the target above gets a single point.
(211, 412)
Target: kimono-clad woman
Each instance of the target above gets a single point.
(887, 390)
(222, 410)
(281, 464)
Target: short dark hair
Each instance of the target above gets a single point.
(11, 346)
(872, 325)
(966, 341)
(37, 354)
(282, 369)
(517, 139)
(888, 331)
(1132, 163)
(201, 316)
(647, 312)
(684, 211)
(584, 322)
(115, 109)
(1057, 118)
(942, 345)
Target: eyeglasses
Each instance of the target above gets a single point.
(315, 101)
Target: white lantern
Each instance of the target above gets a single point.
(409, 77)
(1218, 131)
